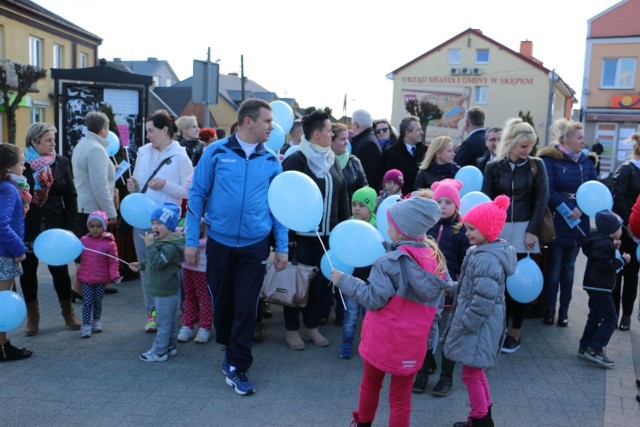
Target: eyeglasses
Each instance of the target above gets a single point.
(382, 130)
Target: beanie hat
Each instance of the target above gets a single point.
(414, 216)
(100, 216)
(367, 196)
(607, 222)
(489, 217)
(168, 214)
(394, 175)
(447, 188)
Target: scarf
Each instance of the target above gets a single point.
(343, 159)
(569, 154)
(23, 187)
(319, 159)
(42, 175)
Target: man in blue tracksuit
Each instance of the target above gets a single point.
(229, 189)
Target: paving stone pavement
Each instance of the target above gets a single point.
(101, 382)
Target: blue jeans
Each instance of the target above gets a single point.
(601, 323)
(167, 320)
(561, 261)
(351, 315)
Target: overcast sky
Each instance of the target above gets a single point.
(316, 52)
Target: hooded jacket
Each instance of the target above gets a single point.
(602, 263)
(402, 297)
(12, 225)
(565, 176)
(96, 268)
(163, 265)
(477, 323)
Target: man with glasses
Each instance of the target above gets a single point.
(407, 153)
(493, 137)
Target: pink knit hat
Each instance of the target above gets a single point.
(448, 188)
(100, 216)
(394, 175)
(489, 217)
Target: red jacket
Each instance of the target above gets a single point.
(97, 268)
(634, 218)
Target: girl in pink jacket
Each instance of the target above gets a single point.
(96, 270)
(402, 295)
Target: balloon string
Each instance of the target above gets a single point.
(110, 256)
(121, 176)
(332, 268)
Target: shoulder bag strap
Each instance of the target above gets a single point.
(166, 161)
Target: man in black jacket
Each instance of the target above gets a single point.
(474, 145)
(407, 153)
(493, 137)
(364, 145)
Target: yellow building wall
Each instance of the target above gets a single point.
(600, 98)
(513, 85)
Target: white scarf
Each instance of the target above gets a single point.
(320, 159)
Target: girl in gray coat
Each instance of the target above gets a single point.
(476, 326)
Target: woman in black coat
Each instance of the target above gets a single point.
(626, 188)
(315, 159)
(53, 205)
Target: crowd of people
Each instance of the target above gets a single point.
(441, 284)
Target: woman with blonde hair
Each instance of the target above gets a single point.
(189, 137)
(567, 168)
(438, 163)
(524, 180)
(626, 188)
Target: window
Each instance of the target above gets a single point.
(618, 73)
(84, 60)
(37, 115)
(156, 81)
(57, 56)
(168, 82)
(481, 95)
(455, 56)
(482, 56)
(35, 52)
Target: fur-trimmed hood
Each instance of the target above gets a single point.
(550, 151)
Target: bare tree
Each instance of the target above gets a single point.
(26, 76)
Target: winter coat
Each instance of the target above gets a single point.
(194, 149)
(453, 246)
(528, 195)
(230, 191)
(626, 188)
(475, 329)
(336, 205)
(163, 265)
(11, 221)
(354, 174)
(434, 173)
(93, 174)
(366, 148)
(481, 162)
(398, 157)
(471, 148)
(174, 173)
(402, 297)
(565, 176)
(61, 208)
(602, 263)
(96, 268)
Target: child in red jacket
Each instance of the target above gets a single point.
(96, 270)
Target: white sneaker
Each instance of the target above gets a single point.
(86, 331)
(152, 357)
(97, 326)
(185, 334)
(203, 336)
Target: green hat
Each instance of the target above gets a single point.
(367, 196)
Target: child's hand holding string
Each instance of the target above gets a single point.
(335, 276)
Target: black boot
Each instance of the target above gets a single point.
(443, 387)
(421, 380)
(474, 422)
(430, 362)
(489, 418)
(9, 352)
(563, 318)
(548, 317)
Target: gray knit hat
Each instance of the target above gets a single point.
(414, 216)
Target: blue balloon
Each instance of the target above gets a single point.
(471, 179)
(382, 224)
(57, 247)
(526, 283)
(585, 151)
(356, 242)
(295, 201)
(291, 150)
(282, 115)
(136, 209)
(638, 252)
(472, 199)
(349, 147)
(114, 144)
(276, 138)
(12, 310)
(592, 197)
(325, 266)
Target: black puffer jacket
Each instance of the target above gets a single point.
(61, 209)
(626, 188)
(529, 196)
(600, 272)
(354, 174)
